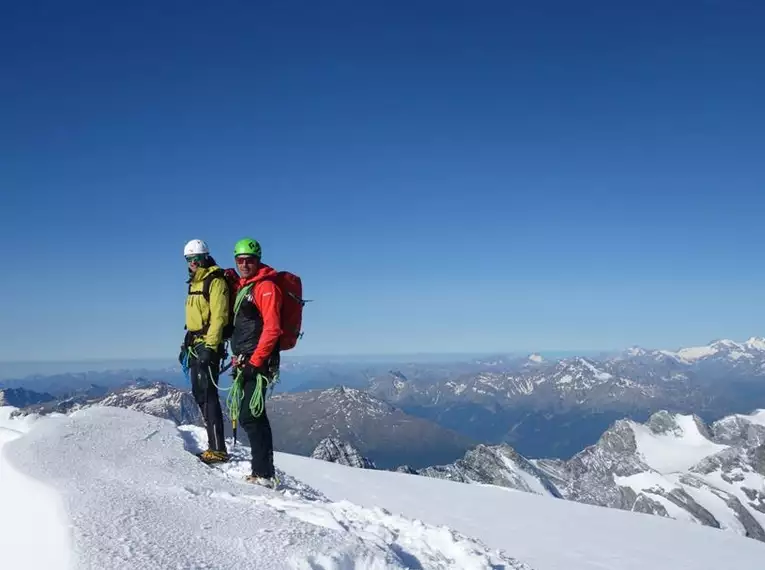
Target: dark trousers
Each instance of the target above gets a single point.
(258, 430)
(206, 395)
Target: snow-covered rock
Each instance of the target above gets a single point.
(725, 349)
(495, 465)
(158, 399)
(155, 398)
(335, 451)
(673, 466)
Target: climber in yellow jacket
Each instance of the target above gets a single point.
(207, 325)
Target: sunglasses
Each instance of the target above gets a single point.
(246, 259)
(194, 258)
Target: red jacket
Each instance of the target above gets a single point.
(267, 297)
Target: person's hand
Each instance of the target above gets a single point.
(205, 355)
(182, 354)
(250, 371)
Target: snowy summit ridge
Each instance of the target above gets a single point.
(135, 498)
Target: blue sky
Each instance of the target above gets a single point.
(445, 176)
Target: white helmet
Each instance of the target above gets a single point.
(195, 247)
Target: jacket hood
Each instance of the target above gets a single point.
(264, 272)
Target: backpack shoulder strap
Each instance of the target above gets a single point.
(208, 282)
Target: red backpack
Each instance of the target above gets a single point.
(291, 321)
(292, 308)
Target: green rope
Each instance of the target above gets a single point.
(235, 396)
(257, 402)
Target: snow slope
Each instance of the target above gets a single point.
(119, 489)
(542, 531)
(677, 450)
(115, 488)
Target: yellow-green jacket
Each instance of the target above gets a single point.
(206, 320)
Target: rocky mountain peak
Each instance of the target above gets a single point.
(666, 423)
(497, 465)
(740, 429)
(618, 439)
(635, 351)
(155, 398)
(342, 452)
(663, 422)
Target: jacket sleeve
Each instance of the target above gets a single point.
(218, 313)
(268, 299)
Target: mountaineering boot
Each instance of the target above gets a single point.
(210, 456)
(269, 482)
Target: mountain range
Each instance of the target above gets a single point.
(301, 420)
(541, 406)
(554, 408)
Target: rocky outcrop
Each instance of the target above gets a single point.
(495, 465)
(342, 452)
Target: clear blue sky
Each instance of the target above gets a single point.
(445, 176)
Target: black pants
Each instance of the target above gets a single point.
(258, 430)
(206, 395)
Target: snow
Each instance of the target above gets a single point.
(533, 483)
(117, 488)
(538, 358)
(696, 352)
(717, 506)
(757, 417)
(644, 481)
(755, 343)
(565, 379)
(672, 453)
(113, 488)
(544, 532)
(748, 480)
(599, 374)
(649, 483)
(735, 350)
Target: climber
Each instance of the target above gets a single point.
(207, 315)
(255, 349)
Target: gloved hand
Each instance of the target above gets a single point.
(205, 354)
(250, 371)
(182, 354)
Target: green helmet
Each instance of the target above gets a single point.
(247, 246)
